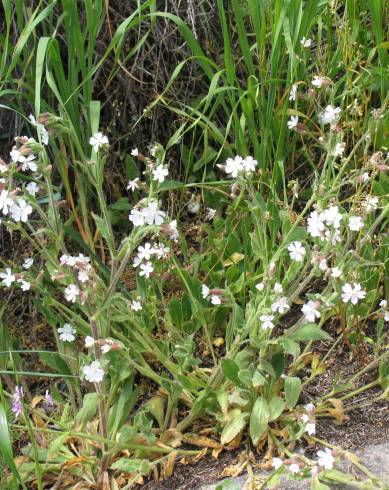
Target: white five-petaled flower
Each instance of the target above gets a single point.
(352, 293)
(160, 172)
(277, 463)
(365, 177)
(306, 43)
(332, 216)
(5, 202)
(293, 92)
(153, 215)
(267, 321)
(28, 263)
(106, 348)
(67, 333)
(135, 152)
(145, 252)
(20, 211)
(234, 166)
(326, 459)
(32, 188)
(89, 341)
(296, 251)
(280, 305)
(98, 140)
(336, 272)
(29, 163)
(146, 269)
(133, 185)
(277, 288)
(370, 203)
(93, 373)
(71, 293)
(25, 285)
(355, 223)
(315, 224)
(83, 276)
(310, 311)
(339, 149)
(8, 277)
(260, 286)
(293, 121)
(213, 298)
(210, 214)
(137, 217)
(136, 305)
(43, 133)
(249, 164)
(319, 82)
(330, 115)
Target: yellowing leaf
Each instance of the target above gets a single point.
(235, 258)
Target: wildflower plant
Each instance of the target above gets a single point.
(155, 338)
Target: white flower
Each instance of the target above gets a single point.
(137, 261)
(333, 236)
(293, 92)
(267, 321)
(296, 251)
(43, 133)
(294, 468)
(326, 460)
(336, 272)
(332, 216)
(32, 188)
(249, 164)
(16, 156)
(330, 115)
(277, 463)
(215, 299)
(293, 121)
(89, 341)
(28, 163)
(277, 288)
(339, 149)
(319, 82)
(383, 303)
(160, 173)
(135, 152)
(386, 315)
(8, 277)
(365, 177)
(323, 264)
(315, 224)
(5, 202)
(205, 291)
(83, 276)
(25, 285)
(161, 251)
(98, 140)
(306, 43)
(133, 185)
(71, 293)
(146, 269)
(105, 348)
(210, 214)
(153, 215)
(3, 167)
(67, 333)
(260, 286)
(371, 203)
(28, 263)
(234, 166)
(310, 311)
(309, 407)
(136, 305)
(20, 211)
(355, 223)
(193, 206)
(280, 305)
(310, 428)
(93, 372)
(352, 293)
(137, 217)
(145, 252)
(172, 231)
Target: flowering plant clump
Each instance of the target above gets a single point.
(193, 296)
